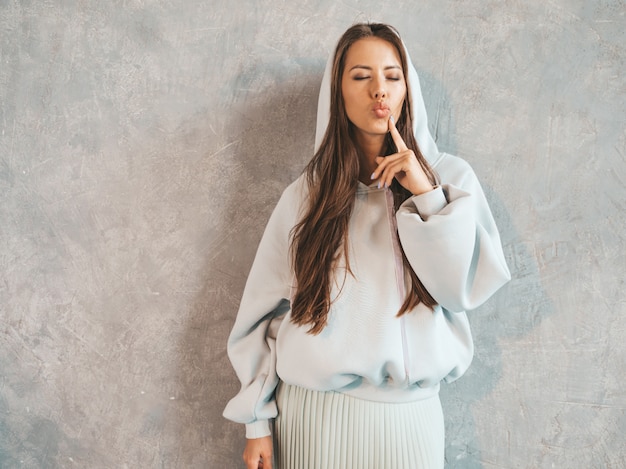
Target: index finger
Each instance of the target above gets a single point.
(395, 135)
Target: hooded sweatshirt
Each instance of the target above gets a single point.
(451, 241)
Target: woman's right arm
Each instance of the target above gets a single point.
(251, 344)
(258, 453)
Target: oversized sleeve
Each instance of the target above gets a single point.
(451, 241)
(251, 344)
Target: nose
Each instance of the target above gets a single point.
(378, 88)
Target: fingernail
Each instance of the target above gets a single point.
(386, 186)
(393, 121)
(373, 176)
(379, 184)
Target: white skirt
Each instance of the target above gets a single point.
(331, 430)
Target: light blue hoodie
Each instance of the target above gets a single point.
(453, 245)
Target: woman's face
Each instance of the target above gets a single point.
(372, 86)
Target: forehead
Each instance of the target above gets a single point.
(372, 51)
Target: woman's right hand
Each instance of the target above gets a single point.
(258, 453)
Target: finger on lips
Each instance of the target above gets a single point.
(395, 135)
(384, 163)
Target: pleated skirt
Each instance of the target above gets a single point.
(331, 430)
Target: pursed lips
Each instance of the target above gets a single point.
(380, 109)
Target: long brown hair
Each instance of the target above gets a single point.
(321, 237)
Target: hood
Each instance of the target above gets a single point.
(425, 141)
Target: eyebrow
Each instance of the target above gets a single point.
(367, 67)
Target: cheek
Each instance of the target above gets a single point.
(350, 108)
(402, 91)
(398, 109)
(400, 105)
(348, 98)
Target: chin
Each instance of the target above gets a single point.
(378, 127)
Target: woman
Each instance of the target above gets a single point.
(354, 308)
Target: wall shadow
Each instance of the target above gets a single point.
(274, 127)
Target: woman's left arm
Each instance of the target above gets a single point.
(451, 240)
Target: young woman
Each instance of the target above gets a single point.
(353, 311)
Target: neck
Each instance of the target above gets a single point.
(370, 147)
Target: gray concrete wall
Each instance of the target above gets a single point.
(143, 145)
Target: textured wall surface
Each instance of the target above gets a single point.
(143, 145)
